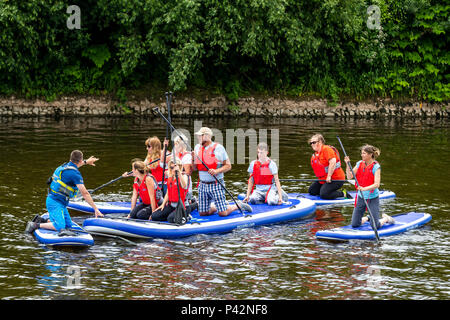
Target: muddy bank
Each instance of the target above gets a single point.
(218, 106)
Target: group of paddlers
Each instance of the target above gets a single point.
(164, 178)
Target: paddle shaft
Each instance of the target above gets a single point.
(313, 180)
(114, 180)
(217, 180)
(180, 205)
(372, 219)
(108, 183)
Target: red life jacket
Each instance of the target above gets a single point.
(157, 173)
(180, 155)
(261, 173)
(208, 157)
(364, 175)
(320, 170)
(142, 189)
(172, 190)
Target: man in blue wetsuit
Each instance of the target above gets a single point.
(65, 184)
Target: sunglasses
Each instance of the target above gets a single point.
(313, 142)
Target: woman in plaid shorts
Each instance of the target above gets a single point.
(216, 159)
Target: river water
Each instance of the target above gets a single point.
(282, 261)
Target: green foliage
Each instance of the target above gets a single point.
(316, 47)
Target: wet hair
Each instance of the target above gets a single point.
(263, 146)
(374, 151)
(139, 166)
(318, 137)
(76, 156)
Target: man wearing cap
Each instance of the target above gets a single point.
(215, 157)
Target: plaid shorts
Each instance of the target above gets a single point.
(209, 192)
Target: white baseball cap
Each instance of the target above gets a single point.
(204, 130)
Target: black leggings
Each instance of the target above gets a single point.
(141, 211)
(168, 214)
(327, 191)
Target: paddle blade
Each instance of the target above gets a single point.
(180, 213)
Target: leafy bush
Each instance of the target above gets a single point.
(316, 47)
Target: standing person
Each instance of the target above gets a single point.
(326, 164)
(166, 211)
(264, 179)
(216, 159)
(146, 188)
(64, 185)
(368, 175)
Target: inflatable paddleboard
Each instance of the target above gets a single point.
(261, 215)
(51, 237)
(403, 222)
(322, 202)
(125, 207)
(104, 207)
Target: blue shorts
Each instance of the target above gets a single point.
(211, 192)
(58, 213)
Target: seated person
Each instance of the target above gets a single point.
(166, 211)
(263, 184)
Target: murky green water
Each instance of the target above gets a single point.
(282, 261)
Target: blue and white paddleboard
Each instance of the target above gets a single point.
(104, 207)
(261, 215)
(125, 207)
(384, 194)
(403, 222)
(51, 237)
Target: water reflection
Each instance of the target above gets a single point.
(282, 261)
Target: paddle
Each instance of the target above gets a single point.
(180, 211)
(91, 191)
(164, 169)
(372, 219)
(166, 147)
(313, 180)
(108, 183)
(181, 137)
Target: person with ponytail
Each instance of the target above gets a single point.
(146, 188)
(368, 175)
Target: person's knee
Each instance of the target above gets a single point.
(223, 213)
(313, 191)
(325, 195)
(157, 216)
